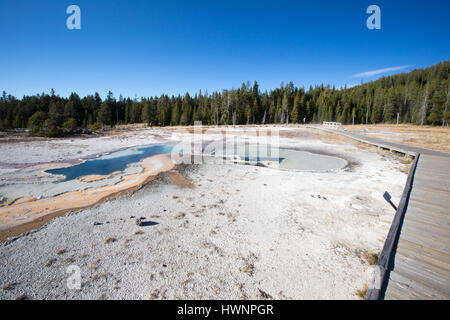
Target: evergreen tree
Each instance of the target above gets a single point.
(36, 122)
(420, 97)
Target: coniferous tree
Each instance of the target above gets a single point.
(420, 97)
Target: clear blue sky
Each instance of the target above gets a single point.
(147, 47)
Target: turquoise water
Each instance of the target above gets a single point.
(118, 161)
(107, 164)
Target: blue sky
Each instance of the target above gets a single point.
(145, 48)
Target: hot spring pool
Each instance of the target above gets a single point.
(119, 160)
(107, 164)
(288, 159)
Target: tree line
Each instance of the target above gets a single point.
(419, 97)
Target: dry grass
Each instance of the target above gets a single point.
(437, 138)
(405, 169)
(132, 126)
(362, 292)
(333, 138)
(371, 258)
(407, 163)
(406, 160)
(248, 269)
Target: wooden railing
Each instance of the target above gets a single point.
(333, 125)
(380, 279)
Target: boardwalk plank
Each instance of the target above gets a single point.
(404, 287)
(428, 226)
(426, 242)
(433, 220)
(437, 262)
(427, 207)
(422, 280)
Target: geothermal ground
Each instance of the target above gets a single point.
(203, 231)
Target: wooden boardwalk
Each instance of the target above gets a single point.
(415, 261)
(421, 265)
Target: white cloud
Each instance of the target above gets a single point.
(348, 86)
(377, 72)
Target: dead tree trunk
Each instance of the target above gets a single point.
(367, 113)
(405, 100)
(424, 106)
(446, 106)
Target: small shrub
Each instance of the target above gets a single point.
(70, 125)
(95, 127)
(372, 258)
(36, 122)
(362, 292)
